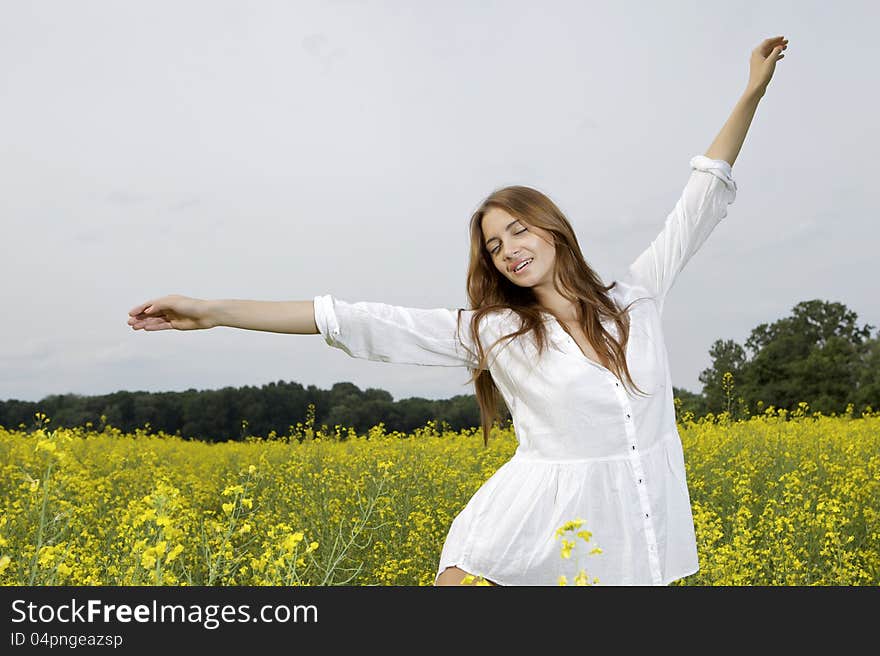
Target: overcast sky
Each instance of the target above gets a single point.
(280, 150)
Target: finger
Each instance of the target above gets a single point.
(138, 309)
(773, 52)
(154, 310)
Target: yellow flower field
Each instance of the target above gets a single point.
(777, 500)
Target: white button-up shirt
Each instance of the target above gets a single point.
(586, 447)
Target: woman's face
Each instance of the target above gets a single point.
(508, 242)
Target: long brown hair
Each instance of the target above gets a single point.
(574, 279)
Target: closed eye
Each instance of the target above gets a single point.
(497, 248)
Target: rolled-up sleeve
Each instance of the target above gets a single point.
(391, 333)
(702, 205)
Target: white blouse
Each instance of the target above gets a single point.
(586, 447)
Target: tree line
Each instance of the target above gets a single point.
(817, 355)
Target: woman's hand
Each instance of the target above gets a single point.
(763, 62)
(173, 311)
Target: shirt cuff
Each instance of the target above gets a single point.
(325, 317)
(718, 167)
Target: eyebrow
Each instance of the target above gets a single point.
(507, 228)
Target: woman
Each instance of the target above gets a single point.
(582, 367)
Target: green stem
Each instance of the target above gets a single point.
(229, 531)
(355, 532)
(34, 561)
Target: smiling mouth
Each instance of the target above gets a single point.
(523, 267)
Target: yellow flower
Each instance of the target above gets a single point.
(45, 445)
(563, 580)
(289, 543)
(227, 507)
(569, 526)
(794, 502)
(47, 554)
(175, 551)
(146, 516)
(567, 546)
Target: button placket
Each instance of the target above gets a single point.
(638, 470)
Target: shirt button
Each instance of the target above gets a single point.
(646, 514)
(617, 384)
(634, 447)
(640, 480)
(627, 416)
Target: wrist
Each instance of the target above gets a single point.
(212, 310)
(754, 91)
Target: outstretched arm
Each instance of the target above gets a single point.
(761, 67)
(179, 312)
(370, 330)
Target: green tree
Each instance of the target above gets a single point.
(818, 355)
(868, 385)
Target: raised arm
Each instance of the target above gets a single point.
(710, 188)
(702, 205)
(761, 68)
